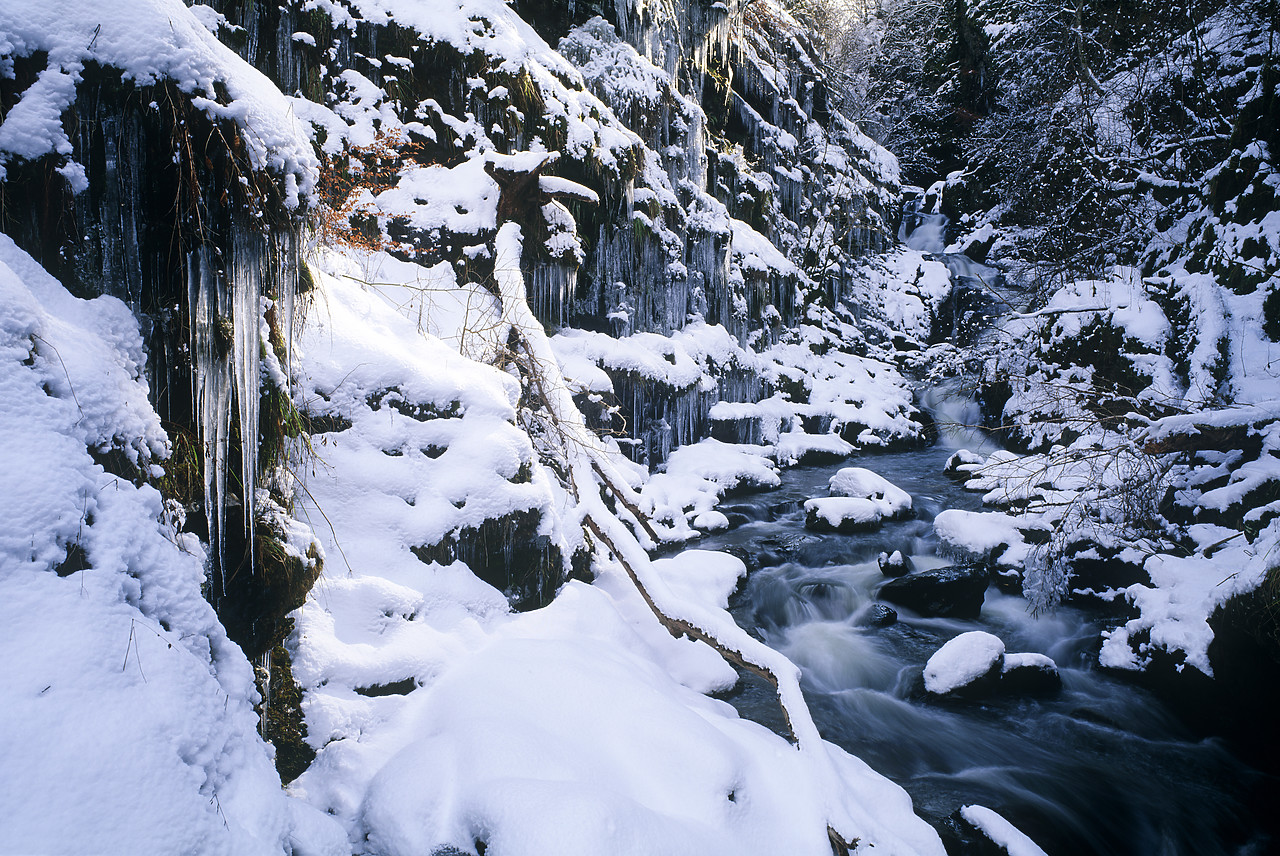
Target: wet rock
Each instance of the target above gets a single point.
(748, 556)
(966, 312)
(1029, 674)
(743, 510)
(894, 564)
(956, 591)
(781, 509)
(776, 550)
(878, 615)
(1007, 580)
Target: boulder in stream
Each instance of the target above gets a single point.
(894, 564)
(975, 664)
(860, 500)
(956, 591)
(1028, 674)
(878, 615)
(969, 663)
(963, 464)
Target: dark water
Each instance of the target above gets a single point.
(1101, 767)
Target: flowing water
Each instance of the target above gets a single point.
(1100, 767)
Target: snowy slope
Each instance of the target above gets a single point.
(126, 715)
(442, 719)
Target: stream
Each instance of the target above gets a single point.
(1100, 767)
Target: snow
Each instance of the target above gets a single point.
(982, 534)
(461, 200)
(364, 351)
(128, 723)
(962, 660)
(756, 254)
(463, 315)
(150, 41)
(600, 751)
(607, 741)
(1028, 660)
(654, 357)
(796, 445)
(684, 496)
(861, 482)
(1002, 832)
(1184, 592)
(859, 498)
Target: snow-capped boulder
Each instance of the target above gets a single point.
(956, 591)
(857, 481)
(962, 465)
(970, 662)
(1029, 673)
(860, 500)
(976, 664)
(894, 564)
(986, 536)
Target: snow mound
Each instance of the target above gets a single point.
(697, 476)
(963, 660)
(983, 535)
(857, 481)
(128, 723)
(861, 499)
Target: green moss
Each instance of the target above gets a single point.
(183, 478)
(286, 727)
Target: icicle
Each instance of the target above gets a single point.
(212, 398)
(226, 342)
(248, 252)
(263, 668)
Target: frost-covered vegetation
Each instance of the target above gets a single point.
(358, 354)
(1117, 159)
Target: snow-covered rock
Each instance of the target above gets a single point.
(861, 500)
(978, 829)
(985, 536)
(894, 564)
(965, 662)
(1029, 673)
(976, 663)
(963, 464)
